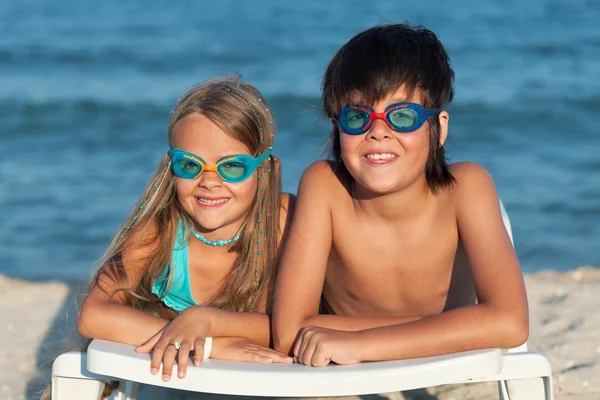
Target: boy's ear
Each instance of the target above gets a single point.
(443, 118)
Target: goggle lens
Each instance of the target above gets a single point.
(356, 119)
(403, 118)
(189, 167)
(233, 169)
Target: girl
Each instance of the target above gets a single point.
(200, 247)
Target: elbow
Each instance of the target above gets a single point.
(516, 331)
(517, 336)
(84, 321)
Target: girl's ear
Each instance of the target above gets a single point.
(277, 163)
(443, 117)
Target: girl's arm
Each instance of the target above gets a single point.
(500, 319)
(255, 326)
(101, 318)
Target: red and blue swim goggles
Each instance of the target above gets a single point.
(231, 169)
(400, 117)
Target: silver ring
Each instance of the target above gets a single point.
(177, 345)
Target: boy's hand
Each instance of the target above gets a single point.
(242, 349)
(176, 340)
(318, 347)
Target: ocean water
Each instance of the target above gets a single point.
(86, 89)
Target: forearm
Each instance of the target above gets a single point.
(251, 325)
(466, 328)
(117, 322)
(344, 323)
(285, 336)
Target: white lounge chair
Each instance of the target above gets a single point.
(521, 375)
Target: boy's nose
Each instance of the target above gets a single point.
(379, 130)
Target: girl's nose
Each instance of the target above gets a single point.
(210, 180)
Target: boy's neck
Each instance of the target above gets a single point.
(399, 205)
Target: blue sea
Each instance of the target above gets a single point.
(86, 89)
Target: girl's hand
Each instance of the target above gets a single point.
(242, 349)
(176, 340)
(318, 347)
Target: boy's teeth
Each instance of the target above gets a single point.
(211, 202)
(384, 156)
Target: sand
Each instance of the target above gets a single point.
(565, 326)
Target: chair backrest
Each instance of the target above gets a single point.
(462, 290)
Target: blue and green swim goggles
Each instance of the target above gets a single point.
(231, 169)
(400, 117)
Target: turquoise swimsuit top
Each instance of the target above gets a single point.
(179, 297)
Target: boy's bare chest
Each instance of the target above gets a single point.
(391, 269)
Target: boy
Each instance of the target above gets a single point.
(376, 230)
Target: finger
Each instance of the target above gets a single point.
(149, 344)
(298, 344)
(275, 356)
(306, 351)
(167, 362)
(182, 359)
(157, 356)
(319, 356)
(280, 358)
(198, 352)
(256, 358)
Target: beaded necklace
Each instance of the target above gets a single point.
(217, 242)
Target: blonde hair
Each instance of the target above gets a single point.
(241, 112)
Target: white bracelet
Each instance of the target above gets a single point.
(207, 347)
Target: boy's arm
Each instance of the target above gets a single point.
(304, 262)
(500, 319)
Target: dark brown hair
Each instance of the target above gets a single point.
(377, 62)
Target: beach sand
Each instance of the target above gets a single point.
(565, 327)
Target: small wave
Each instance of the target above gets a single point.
(31, 107)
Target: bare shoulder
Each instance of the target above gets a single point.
(472, 179)
(287, 203)
(321, 177)
(466, 171)
(124, 269)
(142, 239)
(475, 193)
(286, 211)
(138, 248)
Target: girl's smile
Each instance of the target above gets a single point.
(208, 203)
(217, 207)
